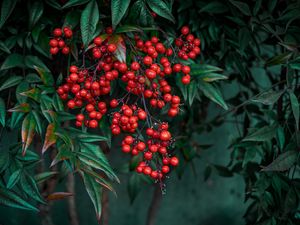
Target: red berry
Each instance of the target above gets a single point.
(147, 60)
(73, 69)
(65, 50)
(165, 135)
(113, 103)
(111, 48)
(174, 161)
(53, 43)
(80, 117)
(148, 155)
(57, 32)
(185, 30)
(71, 104)
(186, 79)
(98, 41)
(93, 124)
(126, 148)
(165, 169)
(186, 69)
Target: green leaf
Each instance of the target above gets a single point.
(72, 19)
(34, 62)
(223, 171)
(161, 9)
(10, 82)
(283, 162)
(72, 3)
(214, 7)
(268, 97)
(13, 60)
(279, 59)
(212, 93)
(58, 196)
(118, 10)
(242, 6)
(263, 134)
(257, 7)
(94, 189)
(128, 28)
(34, 93)
(280, 137)
(6, 9)
(42, 177)
(192, 91)
(14, 178)
(46, 77)
(28, 131)
(203, 69)
(295, 108)
(88, 22)
(35, 12)
(11, 199)
(4, 48)
(30, 187)
(210, 77)
(244, 38)
(2, 112)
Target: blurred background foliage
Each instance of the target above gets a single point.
(240, 156)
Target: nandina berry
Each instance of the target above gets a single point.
(112, 48)
(68, 32)
(126, 148)
(61, 43)
(113, 103)
(141, 146)
(142, 115)
(65, 50)
(165, 135)
(148, 155)
(53, 43)
(147, 170)
(129, 140)
(186, 79)
(154, 174)
(71, 104)
(90, 107)
(165, 169)
(73, 69)
(80, 117)
(186, 69)
(174, 161)
(98, 41)
(147, 60)
(93, 123)
(54, 51)
(57, 32)
(185, 30)
(135, 66)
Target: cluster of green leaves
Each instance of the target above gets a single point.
(257, 44)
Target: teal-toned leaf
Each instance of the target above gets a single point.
(34, 62)
(72, 18)
(192, 91)
(242, 6)
(50, 138)
(46, 76)
(36, 10)
(212, 93)
(94, 189)
(268, 97)
(263, 134)
(128, 28)
(42, 177)
(14, 178)
(10, 82)
(295, 108)
(279, 59)
(118, 10)
(9, 198)
(72, 3)
(283, 162)
(88, 22)
(4, 48)
(2, 112)
(30, 187)
(13, 60)
(161, 9)
(6, 9)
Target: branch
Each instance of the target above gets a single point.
(70, 185)
(155, 203)
(105, 207)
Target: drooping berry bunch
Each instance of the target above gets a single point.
(58, 43)
(147, 90)
(188, 45)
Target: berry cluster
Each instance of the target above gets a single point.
(188, 45)
(147, 89)
(58, 43)
(127, 119)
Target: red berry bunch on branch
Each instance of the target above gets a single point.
(58, 43)
(145, 89)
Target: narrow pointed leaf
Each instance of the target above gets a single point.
(2, 112)
(6, 9)
(283, 162)
(28, 131)
(10, 82)
(295, 108)
(50, 138)
(58, 196)
(263, 134)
